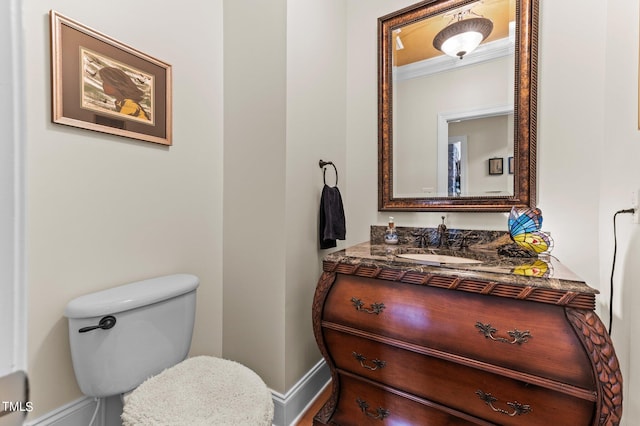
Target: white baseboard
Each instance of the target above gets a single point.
(288, 408)
(75, 413)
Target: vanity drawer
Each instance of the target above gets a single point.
(530, 337)
(462, 388)
(363, 403)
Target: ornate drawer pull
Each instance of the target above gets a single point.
(376, 308)
(380, 413)
(518, 408)
(517, 336)
(377, 363)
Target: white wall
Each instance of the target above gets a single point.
(619, 154)
(106, 210)
(6, 188)
(12, 302)
(588, 125)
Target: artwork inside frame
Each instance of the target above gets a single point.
(103, 85)
(510, 165)
(495, 166)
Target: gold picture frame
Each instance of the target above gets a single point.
(101, 84)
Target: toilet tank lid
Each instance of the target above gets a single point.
(131, 296)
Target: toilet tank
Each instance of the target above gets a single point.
(151, 332)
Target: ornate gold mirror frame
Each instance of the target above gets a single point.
(524, 109)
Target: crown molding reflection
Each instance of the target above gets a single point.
(485, 52)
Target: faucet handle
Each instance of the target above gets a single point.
(463, 242)
(443, 237)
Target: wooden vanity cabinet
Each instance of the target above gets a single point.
(417, 348)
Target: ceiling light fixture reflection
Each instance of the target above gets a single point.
(463, 36)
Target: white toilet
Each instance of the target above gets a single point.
(141, 332)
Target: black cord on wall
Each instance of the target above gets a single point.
(613, 265)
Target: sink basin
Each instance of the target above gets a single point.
(437, 259)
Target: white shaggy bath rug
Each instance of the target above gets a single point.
(201, 391)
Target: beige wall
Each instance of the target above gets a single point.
(420, 100)
(316, 129)
(284, 111)
(105, 210)
(254, 180)
(487, 138)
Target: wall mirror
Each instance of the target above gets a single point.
(457, 130)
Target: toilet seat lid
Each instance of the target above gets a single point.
(201, 390)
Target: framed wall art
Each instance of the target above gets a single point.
(103, 85)
(510, 165)
(495, 166)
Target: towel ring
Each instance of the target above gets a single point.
(322, 165)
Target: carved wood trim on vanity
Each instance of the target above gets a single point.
(605, 391)
(596, 340)
(471, 285)
(324, 284)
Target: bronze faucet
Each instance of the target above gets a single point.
(443, 234)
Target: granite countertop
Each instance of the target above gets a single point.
(494, 267)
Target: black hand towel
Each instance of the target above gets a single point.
(332, 222)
